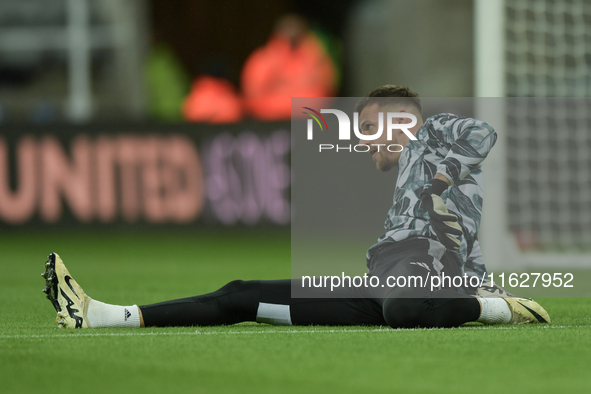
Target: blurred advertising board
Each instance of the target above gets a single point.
(145, 174)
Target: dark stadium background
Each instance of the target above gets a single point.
(41, 85)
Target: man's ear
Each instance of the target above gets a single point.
(403, 120)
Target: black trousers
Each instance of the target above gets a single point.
(397, 306)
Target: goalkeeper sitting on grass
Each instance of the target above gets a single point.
(430, 230)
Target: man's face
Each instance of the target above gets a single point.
(368, 125)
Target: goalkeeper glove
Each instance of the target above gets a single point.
(444, 224)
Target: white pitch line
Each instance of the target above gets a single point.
(223, 332)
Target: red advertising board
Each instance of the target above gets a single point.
(145, 174)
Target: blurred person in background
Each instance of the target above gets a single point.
(213, 98)
(295, 62)
(167, 83)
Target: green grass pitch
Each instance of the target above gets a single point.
(145, 267)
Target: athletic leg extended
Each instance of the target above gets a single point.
(263, 301)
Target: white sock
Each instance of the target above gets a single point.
(495, 310)
(100, 314)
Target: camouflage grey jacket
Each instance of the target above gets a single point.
(455, 147)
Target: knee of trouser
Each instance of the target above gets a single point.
(402, 312)
(237, 301)
(238, 285)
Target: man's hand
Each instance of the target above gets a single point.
(444, 224)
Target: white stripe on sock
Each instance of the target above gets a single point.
(276, 314)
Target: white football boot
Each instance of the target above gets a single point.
(523, 310)
(67, 297)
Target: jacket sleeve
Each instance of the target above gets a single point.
(463, 142)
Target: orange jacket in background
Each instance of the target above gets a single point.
(276, 72)
(212, 100)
